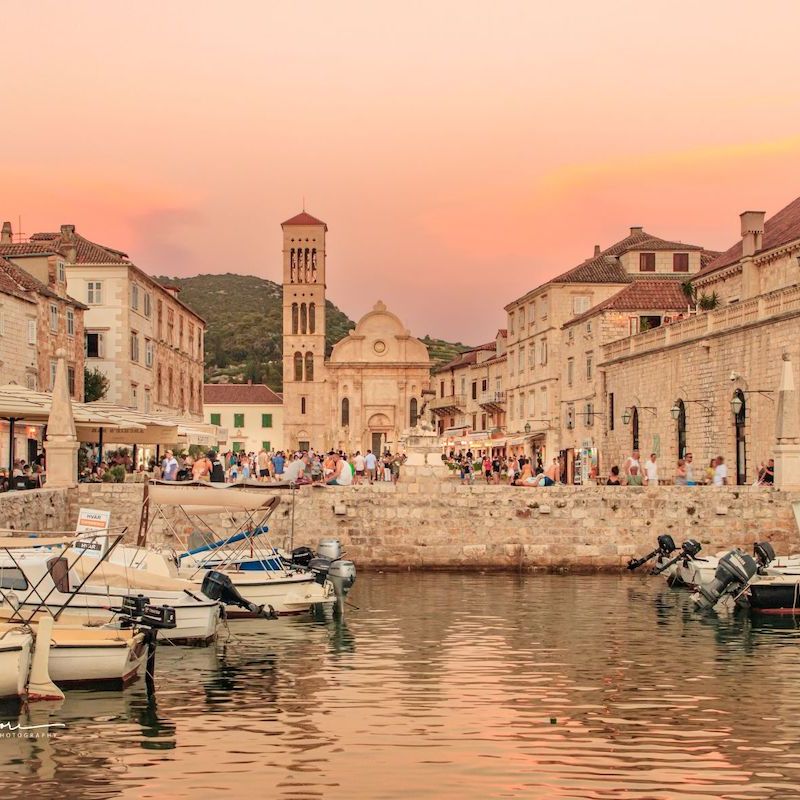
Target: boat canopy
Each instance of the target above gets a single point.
(114, 575)
(221, 496)
(26, 542)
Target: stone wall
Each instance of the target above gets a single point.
(442, 525)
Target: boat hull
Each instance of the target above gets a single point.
(116, 662)
(15, 662)
(774, 596)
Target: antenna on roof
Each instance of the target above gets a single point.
(19, 234)
(304, 202)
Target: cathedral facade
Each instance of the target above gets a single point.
(370, 389)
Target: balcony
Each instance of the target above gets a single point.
(449, 405)
(493, 401)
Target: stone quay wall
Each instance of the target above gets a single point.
(443, 525)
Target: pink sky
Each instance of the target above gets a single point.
(460, 153)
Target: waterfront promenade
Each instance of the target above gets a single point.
(431, 523)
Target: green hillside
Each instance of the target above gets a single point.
(244, 316)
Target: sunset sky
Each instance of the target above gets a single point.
(460, 152)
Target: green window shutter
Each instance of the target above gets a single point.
(238, 420)
(267, 446)
(216, 419)
(266, 420)
(237, 446)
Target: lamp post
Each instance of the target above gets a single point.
(527, 427)
(736, 405)
(675, 411)
(626, 416)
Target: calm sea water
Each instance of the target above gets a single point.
(445, 686)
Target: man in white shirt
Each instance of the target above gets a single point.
(170, 468)
(371, 465)
(720, 472)
(360, 465)
(294, 471)
(631, 461)
(651, 470)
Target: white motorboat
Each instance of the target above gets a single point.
(16, 645)
(73, 577)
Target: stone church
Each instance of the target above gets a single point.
(370, 389)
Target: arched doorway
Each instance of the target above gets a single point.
(740, 419)
(634, 428)
(379, 426)
(681, 420)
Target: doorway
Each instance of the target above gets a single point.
(377, 443)
(635, 428)
(741, 439)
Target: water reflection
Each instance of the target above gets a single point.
(446, 686)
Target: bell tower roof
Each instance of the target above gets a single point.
(304, 218)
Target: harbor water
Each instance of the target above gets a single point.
(443, 686)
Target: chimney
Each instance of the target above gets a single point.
(596, 250)
(637, 230)
(67, 231)
(752, 231)
(6, 236)
(249, 381)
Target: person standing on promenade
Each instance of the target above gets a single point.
(690, 479)
(278, 462)
(634, 478)
(651, 470)
(680, 473)
(359, 463)
(169, 471)
(262, 460)
(631, 461)
(721, 472)
(371, 466)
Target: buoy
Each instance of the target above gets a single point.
(40, 687)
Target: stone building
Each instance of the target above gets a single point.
(370, 390)
(251, 414)
(707, 384)
(137, 332)
(469, 405)
(534, 381)
(55, 320)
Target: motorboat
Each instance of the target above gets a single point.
(16, 645)
(287, 584)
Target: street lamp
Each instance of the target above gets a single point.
(676, 412)
(736, 405)
(626, 416)
(527, 427)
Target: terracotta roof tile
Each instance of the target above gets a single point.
(20, 249)
(641, 295)
(87, 252)
(304, 218)
(26, 283)
(244, 393)
(780, 229)
(466, 358)
(8, 284)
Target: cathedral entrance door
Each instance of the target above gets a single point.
(377, 443)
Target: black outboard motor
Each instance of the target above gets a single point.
(218, 586)
(320, 567)
(131, 609)
(735, 569)
(301, 556)
(764, 553)
(666, 546)
(689, 549)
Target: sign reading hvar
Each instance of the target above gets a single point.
(91, 520)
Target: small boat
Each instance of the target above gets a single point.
(16, 645)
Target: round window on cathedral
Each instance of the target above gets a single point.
(380, 347)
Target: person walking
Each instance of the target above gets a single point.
(690, 479)
(278, 463)
(217, 470)
(169, 467)
(631, 461)
(359, 463)
(651, 470)
(262, 459)
(680, 473)
(721, 472)
(371, 466)
(634, 478)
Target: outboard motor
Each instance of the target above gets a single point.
(301, 556)
(218, 586)
(689, 549)
(320, 567)
(666, 546)
(764, 554)
(131, 609)
(330, 549)
(735, 569)
(342, 574)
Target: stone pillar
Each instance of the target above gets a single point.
(61, 446)
(787, 431)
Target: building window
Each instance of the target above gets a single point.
(266, 420)
(474, 422)
(511, 324)
(159, 318)
(53, 317)
(170, 327)
(298, 366)
(345, 412)
(474, 390)
(170, 386)
(146, 401)
(71, 380)
(52, 375)
(134, 346)
(148, 353)
(237, 446)
(295, 317)
(580, 303)
(148, 305)
(532, 402)
(31, 331)
(61, 272)
(531, 315)
(309, 366)
(238, 420)
(180, 332)
(94, 292)
(571, 335)
(522, 405)
(134, 396)
(611, 411)
(312, 317)
(302, 405)
(93, 344)
(511, 356)
(544, 306)
(30, 380)
(216, 419)
(2, 323)
(521, 361)
(483, 422)
(570, 371)
(544, 408)
(647, 262)
(303, 318)
(589, 366)
(266, 446)
(521, 319)
(589, 412)
(413, 412)
(70, 322)
(543, 347)
(135, 296)
(680, 262)
(484, 384)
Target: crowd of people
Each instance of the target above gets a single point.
(333, 468)
(22, 476)
(519, 470)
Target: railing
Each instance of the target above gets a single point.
(451, 400)
(492, 397)
(728, 317)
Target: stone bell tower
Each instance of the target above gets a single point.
(304, 332)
